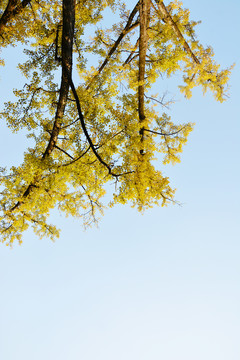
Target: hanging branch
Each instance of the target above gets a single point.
(85, 131)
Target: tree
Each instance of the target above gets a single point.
(108, 126)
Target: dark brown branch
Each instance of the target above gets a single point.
(131, 57)
(65, 152)
(57, 57)
(78, 158)
(164, 134)
(67, 44)
(129, 26)
(23, 119)
(71, 123)
(85, 130)
(98, 147)
(14, 7)
(92, 146)
(144, 9)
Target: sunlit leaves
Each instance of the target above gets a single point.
(106, 56)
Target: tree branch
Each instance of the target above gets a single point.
(131, 57)
(67, 44)
(169, 20)
(164, 134)
(129, 26)
(144, 9)
(14, 7)
(165, 105)
(65, 152)
(67, 47)
(86, 132)
(78, 158)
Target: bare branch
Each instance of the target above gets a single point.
(165, 105)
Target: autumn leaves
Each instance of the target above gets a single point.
(108, 125)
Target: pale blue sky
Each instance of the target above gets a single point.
(163, 285)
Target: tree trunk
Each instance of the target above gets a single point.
(67, 45)
(144, 8)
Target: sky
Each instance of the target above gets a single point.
(163, 285)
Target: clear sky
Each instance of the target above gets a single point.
(163, 285)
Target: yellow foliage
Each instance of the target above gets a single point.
(74, 176)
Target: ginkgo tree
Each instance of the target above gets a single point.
(103, 124)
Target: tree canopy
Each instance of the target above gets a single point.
(88, 107)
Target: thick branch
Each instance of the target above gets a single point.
(67, 47)
(144, 9)
(67, 44)
(14, 7)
